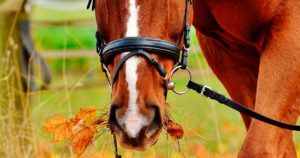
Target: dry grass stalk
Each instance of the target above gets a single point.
(16, 138)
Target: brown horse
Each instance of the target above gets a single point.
(252, 46)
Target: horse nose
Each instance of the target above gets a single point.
(134, 124)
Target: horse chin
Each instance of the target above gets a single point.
(140, 143)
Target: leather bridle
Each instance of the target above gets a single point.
(142, 46)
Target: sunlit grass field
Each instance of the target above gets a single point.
(211, 130)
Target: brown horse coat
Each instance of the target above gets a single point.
(253, 46)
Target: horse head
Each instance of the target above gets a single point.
(138, 105)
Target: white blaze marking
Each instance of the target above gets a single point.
(132, 23)
(132, 120)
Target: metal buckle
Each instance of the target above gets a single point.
(171, 84)
(186, 49)
(204, 89)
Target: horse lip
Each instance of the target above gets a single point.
(136, 143)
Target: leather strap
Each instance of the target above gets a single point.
(135, 43)
(160, 69)
(204, 90)
(157, 66)
(91, 4)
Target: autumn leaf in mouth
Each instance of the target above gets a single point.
(59, 127)
(78, 131)
(174, 129)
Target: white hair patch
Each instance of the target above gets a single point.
(133, 121)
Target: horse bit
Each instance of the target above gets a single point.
(142, 45)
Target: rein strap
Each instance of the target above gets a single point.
(206, 91)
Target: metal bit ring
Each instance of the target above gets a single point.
(171, 85)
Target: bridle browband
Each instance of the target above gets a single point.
(143, 46)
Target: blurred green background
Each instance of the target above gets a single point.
(211, 130)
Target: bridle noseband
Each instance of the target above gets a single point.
(141, 46)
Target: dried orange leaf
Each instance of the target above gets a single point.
(59, 127)
(174, 129)
(80, 130)
(82, 138)
(89, 115)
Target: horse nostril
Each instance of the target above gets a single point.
(156, 122)
(113, 118)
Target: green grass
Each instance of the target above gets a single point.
(40, 13)
(65, 37)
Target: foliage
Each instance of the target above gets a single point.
(174, 129)
(79, 131)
